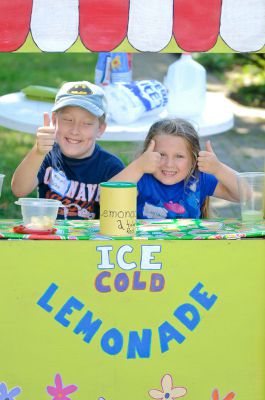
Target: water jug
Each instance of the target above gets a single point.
(186, 84)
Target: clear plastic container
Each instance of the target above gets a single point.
(186, 84)
(252, 192)
(1, 182)
(39, 214)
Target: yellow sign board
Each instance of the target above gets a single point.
(119, 320)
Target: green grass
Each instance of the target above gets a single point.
(18, 70)
(13, 147)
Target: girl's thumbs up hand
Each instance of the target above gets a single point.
(150, 159)
(151, 146)
(207, 160)
(45, 136)
(209, 146)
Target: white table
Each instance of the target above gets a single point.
(21, 114)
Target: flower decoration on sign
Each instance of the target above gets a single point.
(216, 396)
(60, 392)
(6, 395)
(116, 62)
(169, 392)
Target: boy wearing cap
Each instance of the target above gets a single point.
(66, 163)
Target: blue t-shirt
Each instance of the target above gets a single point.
(156, 200)
(75, 182)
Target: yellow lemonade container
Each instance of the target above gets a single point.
(118, 208)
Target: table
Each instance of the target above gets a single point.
(174, 229)
(25, 115)
(116, 318)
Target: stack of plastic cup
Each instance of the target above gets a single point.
(1, 182)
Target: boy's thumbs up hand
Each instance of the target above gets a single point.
(45, 136)
(46, 119)
(150, 159)
(207, 160)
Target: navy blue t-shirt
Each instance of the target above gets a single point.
(75, 182)
(156, 200)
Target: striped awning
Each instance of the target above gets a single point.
(147, 25)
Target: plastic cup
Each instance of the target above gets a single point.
(251, 191)
(1, 182)
(39, 214)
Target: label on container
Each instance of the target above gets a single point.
(151, 93)
(118, 209)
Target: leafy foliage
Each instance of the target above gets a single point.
(244, 73)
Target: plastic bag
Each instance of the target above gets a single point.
(129, 101)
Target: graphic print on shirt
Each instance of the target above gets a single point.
(174, 207)
(163, 210)
(78, 198)
(187, 203)
(151, 211)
